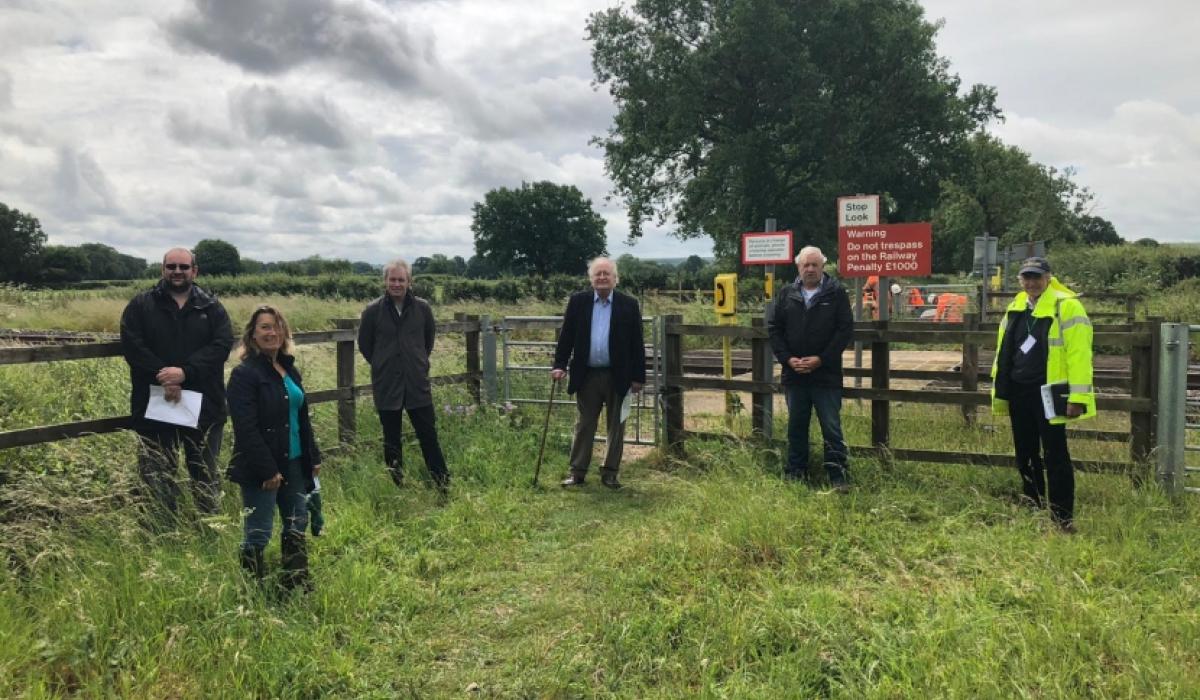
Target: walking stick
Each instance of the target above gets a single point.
(545, 429)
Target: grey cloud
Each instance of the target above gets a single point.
(83, 188)
(188, 130)
(362, 39)
(263, 112)
(5, 90)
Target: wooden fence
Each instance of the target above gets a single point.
(1137, 397)
(346, 391)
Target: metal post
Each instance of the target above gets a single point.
(488, 337)
(504, 352)
(1172, 407)
(987, 271)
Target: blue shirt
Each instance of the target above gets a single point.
(601, 320)
(295, 401)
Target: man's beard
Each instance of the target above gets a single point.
(179, 287)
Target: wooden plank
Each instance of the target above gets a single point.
(704, 331)
(325, 395)
(52, 353)
(976, 459)
(519, 324)
(1100, 435)
(311, 337)
(462, 378)
(63, 431)
(458, 326)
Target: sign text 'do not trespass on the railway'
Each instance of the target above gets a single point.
(888, 250)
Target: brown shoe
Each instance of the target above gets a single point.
(572, 480)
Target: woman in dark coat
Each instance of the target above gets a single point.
(275, 458)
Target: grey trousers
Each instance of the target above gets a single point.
(596, 393)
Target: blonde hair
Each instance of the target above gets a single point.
(250, 348)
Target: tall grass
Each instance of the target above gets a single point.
(705, 577)
(708, 577)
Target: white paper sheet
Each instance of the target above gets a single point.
(185, 412)
(1030, 341)
(626, 405)
(1047, 402)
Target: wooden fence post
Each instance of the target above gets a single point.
(671, 391)
(880, 408)
(763, 370)
(970, 364)
(347, 421)
(1142, 383)
(471, 341)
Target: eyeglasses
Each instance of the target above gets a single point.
(177, 266)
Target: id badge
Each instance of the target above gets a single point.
(1030, 341)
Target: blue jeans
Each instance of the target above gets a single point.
(827, 401)
(259, 506)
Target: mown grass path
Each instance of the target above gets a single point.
(710, 579)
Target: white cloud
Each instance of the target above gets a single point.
(367, 129)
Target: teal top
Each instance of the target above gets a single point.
(295, 401)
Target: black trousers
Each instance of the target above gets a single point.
(158, 461)
(423, 423)
(1042, 455)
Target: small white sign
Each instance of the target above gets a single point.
(767, 248)
(858, 211)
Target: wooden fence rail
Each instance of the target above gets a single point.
(345, 393)
(1139, 339)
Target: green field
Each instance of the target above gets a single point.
(705, 577)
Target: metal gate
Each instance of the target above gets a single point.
(1178, 451)
(525, 365)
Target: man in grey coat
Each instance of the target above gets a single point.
(395, 335)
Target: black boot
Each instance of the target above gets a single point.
(252, 562)
(295, 562)
(397, 474)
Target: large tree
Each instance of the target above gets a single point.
(732, 111)
(217, 257)
(539, 228)
(1002, 191)
(21, 243)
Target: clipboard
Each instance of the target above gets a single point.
(1054, 399)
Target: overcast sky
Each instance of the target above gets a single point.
(366, 129)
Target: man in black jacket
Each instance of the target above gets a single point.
(395, 336)
(601, 342)
(178, 336)
(809, 330)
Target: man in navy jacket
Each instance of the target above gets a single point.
(178, 336)
(809, 329)
(601, 342)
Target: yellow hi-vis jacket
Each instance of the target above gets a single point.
(1069, 356)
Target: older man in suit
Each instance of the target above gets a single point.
(601, 342)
